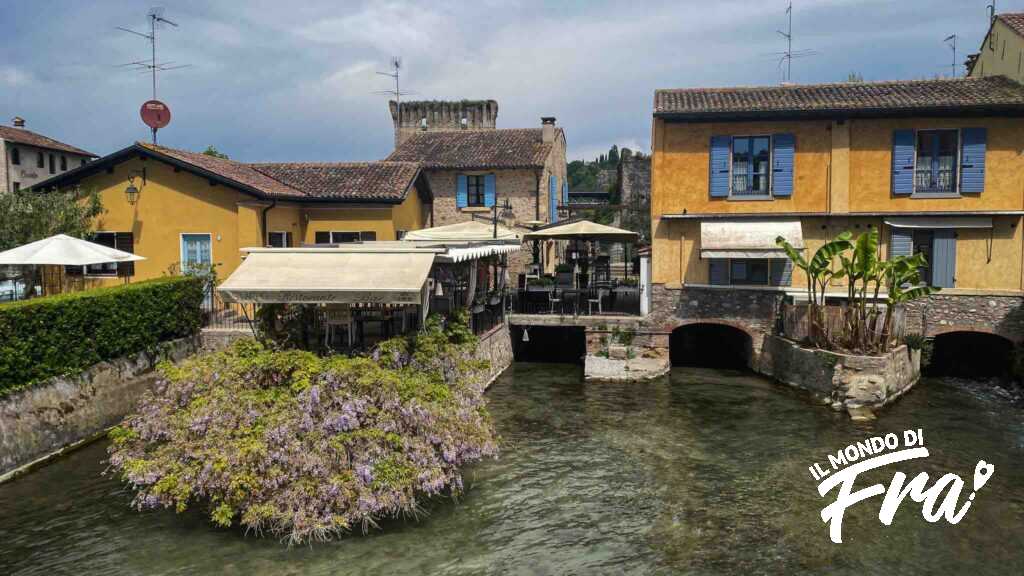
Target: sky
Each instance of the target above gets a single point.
(273, 80)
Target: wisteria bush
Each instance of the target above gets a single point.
(304, 447)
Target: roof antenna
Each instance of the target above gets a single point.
(396, 67)
(156, 21)
(789, 54)
(952, 40)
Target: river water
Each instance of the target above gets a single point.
(702, 473)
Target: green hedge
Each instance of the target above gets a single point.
(64, 334)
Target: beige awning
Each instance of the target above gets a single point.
(939, 221)
(582, 230)
(62, 250)
(470, 231)
(305, 276)
(748, 238)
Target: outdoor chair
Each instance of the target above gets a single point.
(554, 298)
(600, 292)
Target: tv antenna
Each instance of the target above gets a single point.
(156, 21)
(397, 93)
(788, 56)
(951, 40)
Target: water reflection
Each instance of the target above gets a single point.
(703, 472)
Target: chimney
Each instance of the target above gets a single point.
(547, 124)
(19, 122)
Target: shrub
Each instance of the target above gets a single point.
(64, 334)
(308, 447)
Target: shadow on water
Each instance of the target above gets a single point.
(702, 472)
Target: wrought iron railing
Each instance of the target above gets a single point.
(623, 300)
(221, 315)
(930, 181)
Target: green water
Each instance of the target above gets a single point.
(703, 473)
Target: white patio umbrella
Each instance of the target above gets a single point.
(62, 250)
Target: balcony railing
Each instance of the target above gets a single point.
(929, 181)
(744, 188)
(623, 300)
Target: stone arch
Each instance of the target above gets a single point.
(970, 351)
(714, 343)
(941, 329)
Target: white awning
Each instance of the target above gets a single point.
(304, 276)
(748, 238)
(939, 221)
(62, 250)
(469, 231)
(463, 253)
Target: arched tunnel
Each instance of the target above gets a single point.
(561, 344)
(711, 346)
(970, 355)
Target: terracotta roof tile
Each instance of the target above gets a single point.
(237, 171)
(881, 97)
(29, 138)
(347, 180)
(1014, 20)
(476, 149)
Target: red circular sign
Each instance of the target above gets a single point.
(155, 114)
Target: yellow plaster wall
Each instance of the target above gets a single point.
(679, 179)
(411, 214)
(349, 219)
(287, 218)
(170, 204)
(871, 166)
(1002, 53)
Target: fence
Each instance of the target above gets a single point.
(221, 315)
(795, 322)
(615, 301)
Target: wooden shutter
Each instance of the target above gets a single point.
(972, 160)
(322, 238)
(781, 272)
(902, 243)
(944, 254)
(125, 241)
(903, 162)
(461, 191)
(718, 271)
(553, 197)
(783, 147)
(565, 191)
(718, 181)
(489, 190)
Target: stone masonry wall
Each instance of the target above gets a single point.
(941, 313)
(4, 161)
(67, 409)
(495, 347)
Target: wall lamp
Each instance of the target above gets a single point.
(131, 192)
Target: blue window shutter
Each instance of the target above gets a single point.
(782, 164)
(489, 185)
(718, 271)
(461, 191)
(719, 177)
(902, 243)
(553, 197)
(565, 192)
(781, 271)
(944, 254)
(738, 269)
(972, 160)
(903, 162)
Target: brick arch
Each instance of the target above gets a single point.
(753, 332)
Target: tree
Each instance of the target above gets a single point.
(613, 156)
(27, 215)
(212, 151)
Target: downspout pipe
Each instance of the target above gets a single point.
(263, 222)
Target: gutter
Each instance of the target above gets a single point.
(263, 222)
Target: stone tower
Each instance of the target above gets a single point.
(436, 115)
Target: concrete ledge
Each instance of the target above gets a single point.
(600, 369)
(570, 320)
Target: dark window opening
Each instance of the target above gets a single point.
(368, 236)
(53, 164)
(935, 171)
(117, 240)
(710, 346)
(15, 156)
(750, 271)
(40, 161)
(63, 163)
(751, 158)
(924, 242)
(475, 191)
(325, 237)
(279, 239)
(17, 186)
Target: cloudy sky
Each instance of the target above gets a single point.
(274, 80)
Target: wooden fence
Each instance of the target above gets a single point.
(795, 322)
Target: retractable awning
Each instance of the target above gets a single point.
(748, 238)
(582, 230)
(306, 276)
(939, 221)
(463, 253)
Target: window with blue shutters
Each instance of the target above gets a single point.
(565, 192)
(461, 191)
(972, 160)
(750, 271)
(938, 162)
(719, 175)
(938, 247)
(752, 166)
(783, 151)
(903, 162)
(489, 189)
(553, 197)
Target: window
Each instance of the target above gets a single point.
(935, 168)
(750, 271)
(475, 190)
(15, 156)
(53, 164)
(279, 239)
(120, 241)
(923, 243)
(367, 236)
(751, 162)
(40, 162)
(17, 186)
(63, 163)
(336, 237)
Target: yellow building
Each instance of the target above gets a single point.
(182, 209)
(936, 165)
(1002, 51)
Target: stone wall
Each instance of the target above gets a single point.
(65, 410)
(634, 179)
(442, 115)
(495, 347)
(843, 381)
(946, 312)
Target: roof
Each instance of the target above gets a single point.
(360, 182)
(1015, 20)
(30, 138)
(950, 95)
(476, 149)
(349, 180)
